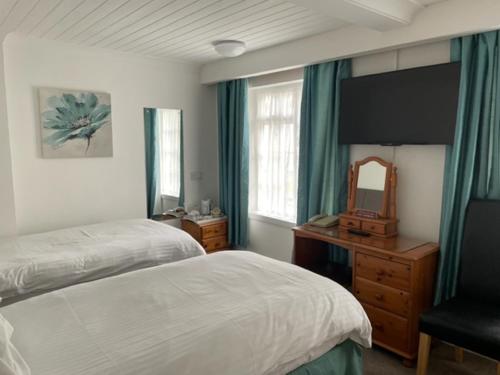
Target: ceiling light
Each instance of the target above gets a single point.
(229, 48)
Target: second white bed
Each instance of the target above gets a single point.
(42, 262)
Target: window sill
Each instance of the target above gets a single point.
(165, 196)
(271, 220)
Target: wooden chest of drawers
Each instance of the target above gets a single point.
(393, 278)
(394, 290)
(211, 235)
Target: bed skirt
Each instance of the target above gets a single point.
(343, 359)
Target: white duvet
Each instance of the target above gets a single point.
(52, 260)
(233, 313)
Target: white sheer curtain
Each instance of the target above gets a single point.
(169, 121)
(274, 149)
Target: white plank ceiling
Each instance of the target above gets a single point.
(181, 29)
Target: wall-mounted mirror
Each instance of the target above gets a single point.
(370, 187)
(163, 131)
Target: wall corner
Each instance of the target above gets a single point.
(7, 206)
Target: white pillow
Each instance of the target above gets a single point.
(11, 362)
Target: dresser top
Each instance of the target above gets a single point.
(207, 221)
(399, 245)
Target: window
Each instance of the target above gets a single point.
(169, 122)
(274, 149)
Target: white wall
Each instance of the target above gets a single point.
(270, 239)
(7, 212)
(63, 192)
(54, 193)
(208, 137)
(420, 168)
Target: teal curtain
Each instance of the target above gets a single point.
(181, 140)
(152, 158)
(323, 162)
(472, 167)
(232, 98)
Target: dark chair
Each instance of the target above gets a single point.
(471, 320)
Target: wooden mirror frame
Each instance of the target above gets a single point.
(388, 209)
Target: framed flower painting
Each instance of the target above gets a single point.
(75, 124)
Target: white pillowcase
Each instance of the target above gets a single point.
(11, 362)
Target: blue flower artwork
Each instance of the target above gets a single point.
(75, 123)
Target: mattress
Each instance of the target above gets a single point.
(234, 312)
(52, 260)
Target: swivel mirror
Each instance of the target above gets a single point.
(371, 186)
(372, 198)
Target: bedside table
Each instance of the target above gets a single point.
(212, 235)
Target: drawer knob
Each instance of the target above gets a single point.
(380, 272)
(350, 223)
(378, 326)
(379, 297)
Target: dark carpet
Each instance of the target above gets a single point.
(442, 362)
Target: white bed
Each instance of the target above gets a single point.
(227, 313)
(46, 261)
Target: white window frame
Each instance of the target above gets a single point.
(254, 212)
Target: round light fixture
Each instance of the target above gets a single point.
(229, 48)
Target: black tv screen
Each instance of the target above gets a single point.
(412, 106)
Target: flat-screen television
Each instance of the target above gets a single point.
(411, 106)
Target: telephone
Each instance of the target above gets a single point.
(323, 221)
